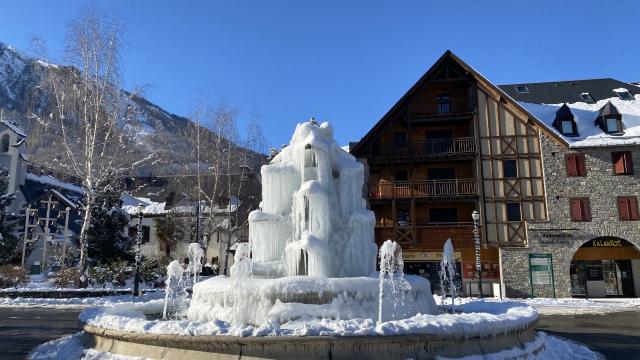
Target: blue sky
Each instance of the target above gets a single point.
(346, 62)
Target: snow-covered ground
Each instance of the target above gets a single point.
(79, 302)
(568, 306)
(71, 348)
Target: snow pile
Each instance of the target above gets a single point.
(313, 219)
(589, 134)
(79, 302)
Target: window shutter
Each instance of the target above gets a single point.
(576, 213)
(586, 208)
(628, 162)
(618, 163)
(581, 165)
(633, 208)
(572, 169)
(623, 208)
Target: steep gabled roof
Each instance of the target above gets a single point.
(448, 55)
(608, 109)
(557, 92)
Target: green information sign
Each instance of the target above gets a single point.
(541, 271)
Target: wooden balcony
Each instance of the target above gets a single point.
(424, 189)
(454, 148)
(441, 108)
(431, 235)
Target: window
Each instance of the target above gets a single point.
(401, 176)
(576, 165)
(400, 140)
(439, 141)
(567, 127)
(587, 97)
(402, 217)
(510, 168)
(613, 125)
(146, 233)
(624, 95)
(628, 208)
(513, 211)
(580, 209)
(5, 143)
(441, 174)
(443, 215)
(622, 163)
(523, 89)
(444, 103)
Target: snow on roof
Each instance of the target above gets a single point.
(50, 180)
(14, 128)
(130, 205)
(589, 134)
(64, 198)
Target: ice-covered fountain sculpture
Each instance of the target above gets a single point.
(312, 242)
(448, 273)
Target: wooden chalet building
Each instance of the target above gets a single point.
(454, 143)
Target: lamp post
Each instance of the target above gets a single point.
(476, 238)
(136, 280)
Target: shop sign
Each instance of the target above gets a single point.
(541, 271)
(606, 243)
(428, 256)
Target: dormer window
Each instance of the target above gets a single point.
(565, 122)
(613, 125)
(586, 97)
(610, 120)
(523, 89)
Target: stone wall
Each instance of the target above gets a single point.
(559, 235)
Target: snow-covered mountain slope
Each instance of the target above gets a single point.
(151, 130)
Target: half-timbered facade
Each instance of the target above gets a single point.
(454, 143)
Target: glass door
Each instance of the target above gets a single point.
(610, 274)
(578, 278)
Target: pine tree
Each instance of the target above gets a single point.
(107, 241)
(9, 251)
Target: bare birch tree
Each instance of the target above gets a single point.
(89, 109)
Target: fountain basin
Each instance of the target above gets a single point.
(305, 297)
(124, 330)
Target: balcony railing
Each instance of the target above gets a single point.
(442, 107)
(423, 188)
(434, 233)
(437, 147)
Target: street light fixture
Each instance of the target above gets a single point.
(136, 280)
(476, 238)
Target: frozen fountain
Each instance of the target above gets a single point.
(306, 286)
(311, 244)
(448, 274)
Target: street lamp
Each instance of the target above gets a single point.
(136, 280)
(476, 238)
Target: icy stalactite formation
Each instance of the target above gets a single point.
(174, 291)
(448, 275)
(241, 272)
(313, 220)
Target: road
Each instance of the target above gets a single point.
(615, 335)
(23, 329)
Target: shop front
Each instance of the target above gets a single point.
(427, 265)
(606, 267)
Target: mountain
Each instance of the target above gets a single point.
(152, 130)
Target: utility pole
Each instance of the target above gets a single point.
(28, 212)
(47, 219)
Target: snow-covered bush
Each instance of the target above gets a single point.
(12, 276)
(67, 277)
(152, 273)
(115, 274)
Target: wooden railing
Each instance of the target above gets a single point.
(423, 188)
(434, 233)
(442, 107)
(453, 146)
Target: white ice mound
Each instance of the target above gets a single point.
(313, 219)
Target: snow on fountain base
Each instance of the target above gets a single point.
(304, 298)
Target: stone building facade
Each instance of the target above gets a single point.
(560, 236)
